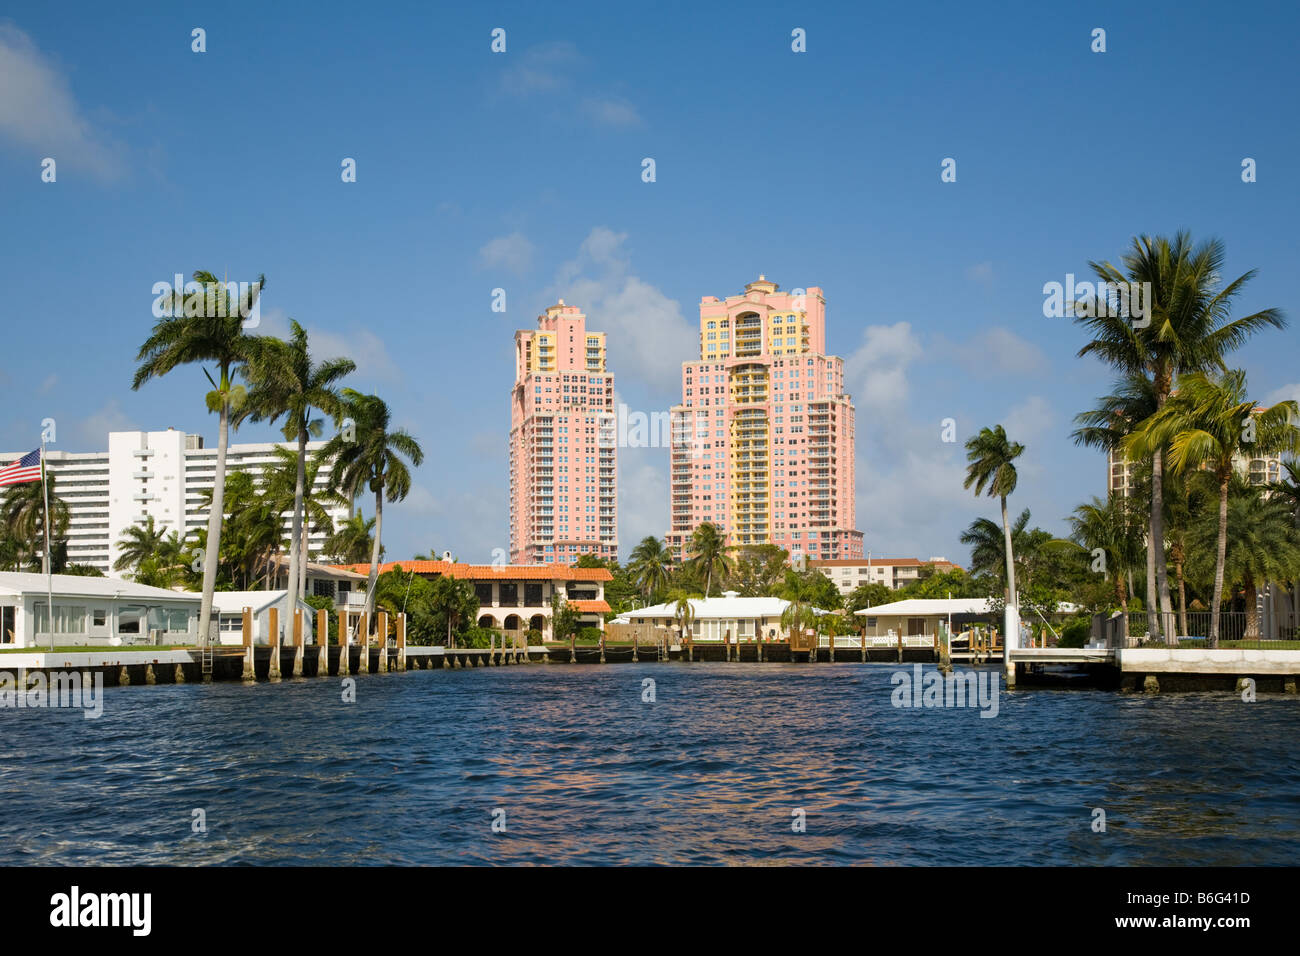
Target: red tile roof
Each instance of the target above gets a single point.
(589, 607)
(489, 572)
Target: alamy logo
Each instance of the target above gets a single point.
(74, 909)
(208, 300)
(61, 689)
(1098, 299)
(921, 688)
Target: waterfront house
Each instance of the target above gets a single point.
(517, 597)
(93, 611)
(742, 618)
(917, 620)
(229, 605)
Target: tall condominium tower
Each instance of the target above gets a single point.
(162, 475)
(563, 488)
(763, 441)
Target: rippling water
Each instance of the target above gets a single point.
(588, 774)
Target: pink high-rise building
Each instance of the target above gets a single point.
(563, 485)
(763, 441)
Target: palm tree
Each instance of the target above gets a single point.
(287, 382)
(1209, 422)
(372, 458)
(1262, 546)
(684, 615)
(798, 617)
(280, 486)
(1287, 488)
(709, 553)
(650, 563)
(1114, 527)
(22, 515)
(990, 457)
(190, 335)
(139, 543)
(989, 547)
(351, 541)
(1185, 327)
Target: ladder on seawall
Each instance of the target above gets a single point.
(205, 651)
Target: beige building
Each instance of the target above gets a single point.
(1261, 470)
(517, 597)
(851, 573)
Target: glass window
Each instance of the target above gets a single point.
(68, 619)
(130, 619)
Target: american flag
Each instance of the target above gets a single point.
(26, 468)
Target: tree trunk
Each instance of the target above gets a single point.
(1252, 609)
(374, 553)
(1158, 543)
(304, 556)
(213, 548)
(1220, 556)
(1012, 599)
(295, 537)
(1153, 599)
(1182, 594)
(1121, 595)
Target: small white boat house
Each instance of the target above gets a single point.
(93, 611)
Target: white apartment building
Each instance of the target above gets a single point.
(1258, 470)
(850, 573)
(162, 474)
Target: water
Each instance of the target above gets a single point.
(588, 774)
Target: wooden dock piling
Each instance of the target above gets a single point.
(250, 674)
(297, 643)
(401, 641)
(383, 642)
(273, 639)
(345, 653)
(363, 641)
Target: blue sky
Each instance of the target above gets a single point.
(522, 171)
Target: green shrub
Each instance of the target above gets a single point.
(480, 637)
(1075, 632)
(322, 603)
(534, 637)
(589, 635)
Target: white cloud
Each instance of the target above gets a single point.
(995, 349)
(91, 433)
(513, 253)
(642, 495)
(39, 112)
(546, 68)
(357, 342)
(1285, 393)
(610, 111)
(876, 372)
(551, 69)
(648, 336)
(1030, 419)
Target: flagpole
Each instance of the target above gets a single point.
(49, 558)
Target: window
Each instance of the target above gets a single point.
(100, 618)
(68, 619)
(130, 618)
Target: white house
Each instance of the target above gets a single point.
(229, 605)
(917, 620)
(743, 617)
(93, 611)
